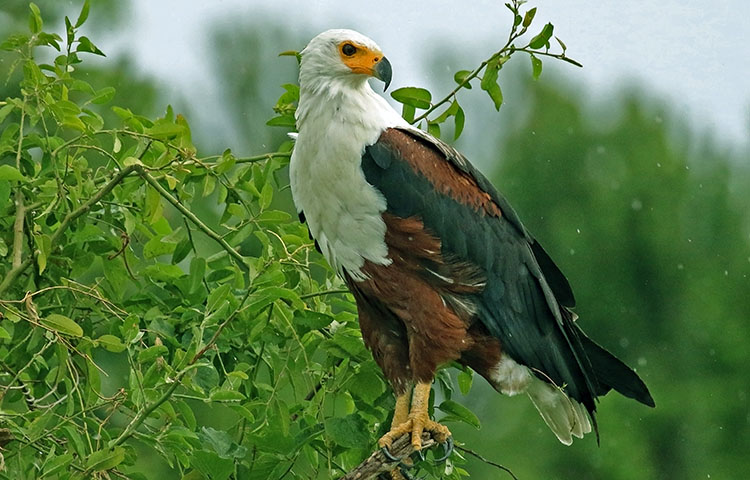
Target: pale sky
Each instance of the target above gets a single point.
(694, 53)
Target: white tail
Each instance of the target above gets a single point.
(564, 416)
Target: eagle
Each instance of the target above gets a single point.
(440, 266)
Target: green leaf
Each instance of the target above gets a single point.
(529, 17)
(166, 130)
(266, 196)
(209, 185)
(163, 273)
(460, 119)
(151, 353)
(85, 45)
(111, 343)
(562, 45)
(188, 417)
(465, 379)
(265, 296)
(292, 53)
(490, 85)
(84, 13)
(367, 386)
(157, 247)
(536, 67)
(14, 42)
(217, 296)
(4, 335)
(182, 250)
(459, 412)
(226, 162)
(70, 35)
(5, 111)
(282, 121)
(349, 432)
(57, 464)
(39, 425)
(273, 216)
(461, 76)
(413, 96)
(62, 324)
(11, 173)
(226, 395)
(104, 95)
(433, 128)
(308, 320)
(408, 112)
(212, 466)
(35, 19)
(197, 272)
(222, 443)
(105, 459)
(543, 37)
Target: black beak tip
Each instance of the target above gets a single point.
(384, 72)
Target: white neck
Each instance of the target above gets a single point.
(349, 100)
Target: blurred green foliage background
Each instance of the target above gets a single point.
(649, 219)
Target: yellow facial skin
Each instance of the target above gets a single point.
(359, 58)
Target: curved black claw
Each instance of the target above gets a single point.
(387, 453)
(448, 449)
(420, 454)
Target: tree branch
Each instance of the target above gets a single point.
(377, 463)
(11, 276)
(191, 216)
(20, 210)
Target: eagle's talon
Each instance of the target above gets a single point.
(387, 453)
(420, 455)
(447, 448)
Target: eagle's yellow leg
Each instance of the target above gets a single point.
(401, 412)
(417, 421)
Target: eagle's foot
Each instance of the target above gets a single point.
(416, 424)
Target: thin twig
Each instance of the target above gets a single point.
(191, 216)
(484, 460)
(20, 210)
(324, 292)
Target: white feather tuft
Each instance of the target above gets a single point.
(563, 415)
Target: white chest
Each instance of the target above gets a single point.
(342, 210)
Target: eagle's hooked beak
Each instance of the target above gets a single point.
(382, 71)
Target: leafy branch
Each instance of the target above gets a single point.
(17, 269)
(487, 72)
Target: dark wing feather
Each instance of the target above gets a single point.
(524, 301)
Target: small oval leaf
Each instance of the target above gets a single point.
(111, 343)
(414, 96)
(459, 412)
(62, 324)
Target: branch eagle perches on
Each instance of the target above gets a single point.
(378, 463)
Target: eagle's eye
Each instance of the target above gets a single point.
(348, 49)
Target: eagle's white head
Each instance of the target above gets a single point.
(340, 56)
(333, 74)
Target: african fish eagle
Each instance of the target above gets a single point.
(440, 265)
